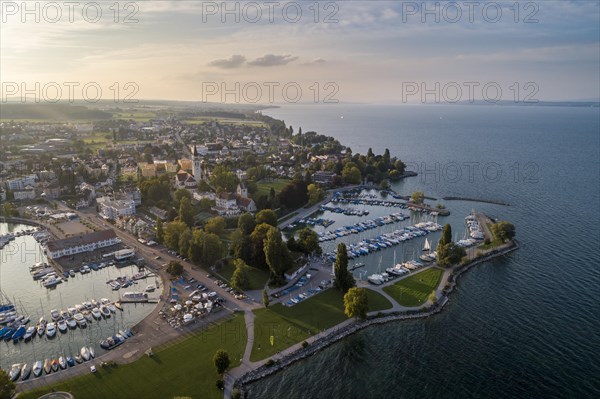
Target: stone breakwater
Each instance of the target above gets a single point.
(342, 332)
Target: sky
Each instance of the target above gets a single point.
(286, 52)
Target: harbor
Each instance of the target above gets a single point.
(51, 321)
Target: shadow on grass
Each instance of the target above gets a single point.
(156, 358)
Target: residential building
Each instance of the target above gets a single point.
(112, 209)
(323, 177)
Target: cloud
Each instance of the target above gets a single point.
(315, 61)
(269, 60)
(235, 61)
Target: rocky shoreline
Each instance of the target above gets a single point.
(338, 334)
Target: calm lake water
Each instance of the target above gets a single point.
(524, 326)
(32, 299)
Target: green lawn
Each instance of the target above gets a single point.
(183, 369)
(264, 186)
(290, 325)
(414, 290)
(257, 277)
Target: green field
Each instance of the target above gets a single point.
(264, 186)
(414, 290)
(257, 277)
(290, 325)
(182, 369)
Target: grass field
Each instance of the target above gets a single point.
(414, 290)
(257, 277)
(264, 186)
(290, 325)
(184, 369)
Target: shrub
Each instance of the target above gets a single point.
(236, 394)
(220, 384)
(270, 363)
(304, 344)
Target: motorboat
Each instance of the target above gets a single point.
(62, 362)
(376, 279)
(55, 314)
(85, 353)
(70, 361)
(96, 313)
(88, 316)
(72, 273)
(54, 364)
(37, 368)
(72, 323)
(25, 372)
(51, 330)
(78, 358)
(111, 307)
(92, 352)
(80, 320)
(62, 326)
(104, 310)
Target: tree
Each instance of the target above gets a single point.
(223, 179)
(315, 194)
(343, 280)
(185, 240)
(186, 211)
(449, 254)
(275, 252)
(417, 197)
(180, 194)
(265, 298)
(160, 234)
(221, 361)
(7, 387)
(257, 239)
(240, 280)
(246, 223)
(173, 232)
(175, 268)
(205, 248)
(205, 204)
(351, 174)
(294, 194)
(267, 216)
(446, 235)
(356, 303)
(308, 241)
(503, 230)
(216, 226)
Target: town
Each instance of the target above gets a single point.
(223, 214)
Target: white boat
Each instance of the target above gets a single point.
(29, 333)
(62, 362)
(92, 352)
(25, 372)
(51, 330)
(88, 316)
(376, 279)
(427, 246)
(71, 322)
(85, 353)
(111, 307)
(37, 368)
(52, 282)
(62, 326)
(96, 313)
(55, 314)
(80, 319)
(15, 371)
(104, 310)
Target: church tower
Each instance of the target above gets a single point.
(197, 171)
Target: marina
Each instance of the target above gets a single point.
(48, 321)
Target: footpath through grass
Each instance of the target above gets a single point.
(290, 325)
(414, 290)
(184, 369)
